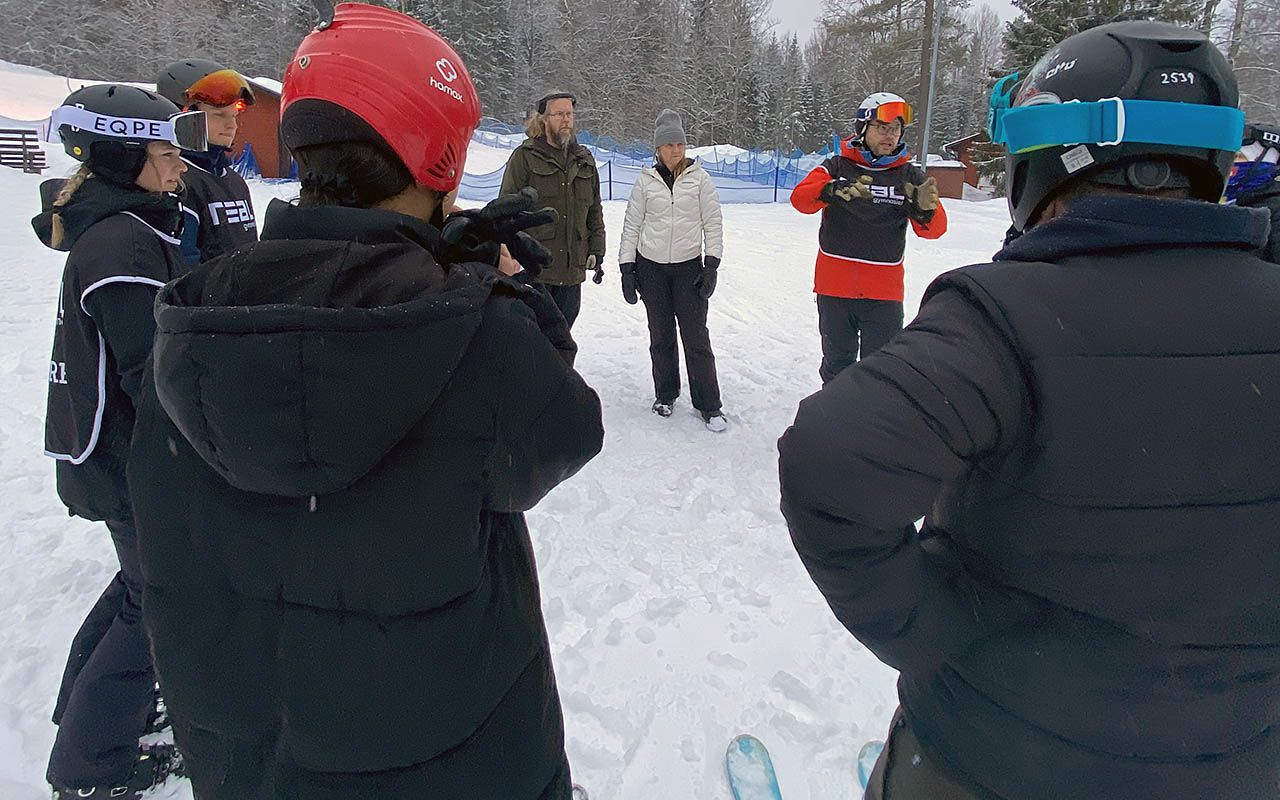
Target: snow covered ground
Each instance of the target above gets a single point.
(679, 614)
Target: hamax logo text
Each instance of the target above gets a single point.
(449, 90)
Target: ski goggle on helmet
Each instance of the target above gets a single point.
(224, 87)
(884, 107)
(187, 130)
(1044, 121)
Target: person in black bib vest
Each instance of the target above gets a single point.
(217, 204)
(1088, 426)
(867, 192)
(119, 219)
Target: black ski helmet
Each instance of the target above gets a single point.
(113, 141)
(1122, 61)
(180, 83)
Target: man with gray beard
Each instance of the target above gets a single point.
(564, 174)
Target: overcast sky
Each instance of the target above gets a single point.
(801, 16)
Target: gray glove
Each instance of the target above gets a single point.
(593, 263)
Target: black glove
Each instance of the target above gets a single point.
(593, 264)
(630, 282)
(831, 188)
(705, 283)
(477, 234)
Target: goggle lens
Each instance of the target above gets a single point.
(888, 112)
(222, 88)
(190, 131)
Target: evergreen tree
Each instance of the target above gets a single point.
(1046, 22)
(1256, 45)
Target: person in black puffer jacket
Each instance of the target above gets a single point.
(119, 219)
(342, 427)
(1088, 426)
(1255, 180)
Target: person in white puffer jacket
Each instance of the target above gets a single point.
(673, 218)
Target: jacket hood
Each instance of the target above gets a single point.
(1101, 223)
(96, 200)
(294, 366)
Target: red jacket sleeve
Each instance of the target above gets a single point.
(805, 196)
(936, 227)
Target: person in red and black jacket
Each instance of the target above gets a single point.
(866, 194)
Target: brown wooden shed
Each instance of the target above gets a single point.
(950, 176)
(962, 151)
(260, 128)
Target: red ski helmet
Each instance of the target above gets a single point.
(397, 76)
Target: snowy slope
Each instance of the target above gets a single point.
(29, 93)
(679, 614)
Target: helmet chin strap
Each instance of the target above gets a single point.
(879, 161)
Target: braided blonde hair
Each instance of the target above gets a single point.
(72, 185)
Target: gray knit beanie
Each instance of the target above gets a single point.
(668, 129)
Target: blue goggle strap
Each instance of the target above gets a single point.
(1001, 101)
(1113, 121)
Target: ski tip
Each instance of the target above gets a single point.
(867, 758)
(750, 770)
(744, 743)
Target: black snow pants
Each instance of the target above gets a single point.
(853, 329)
(670, 298)
(905, 771)
(568, 299)
(108, 686)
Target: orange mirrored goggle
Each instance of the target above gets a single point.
(888, 112)
(222, 88)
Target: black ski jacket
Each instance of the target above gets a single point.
(329, 472)
(1089, 426)
(219, 209)
(1267, 198)
(123, 246)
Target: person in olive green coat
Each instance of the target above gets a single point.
(564, 174)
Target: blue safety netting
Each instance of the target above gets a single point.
(740, 176)
(247, 164)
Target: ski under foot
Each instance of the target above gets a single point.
(867, 758)
(750, 770)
